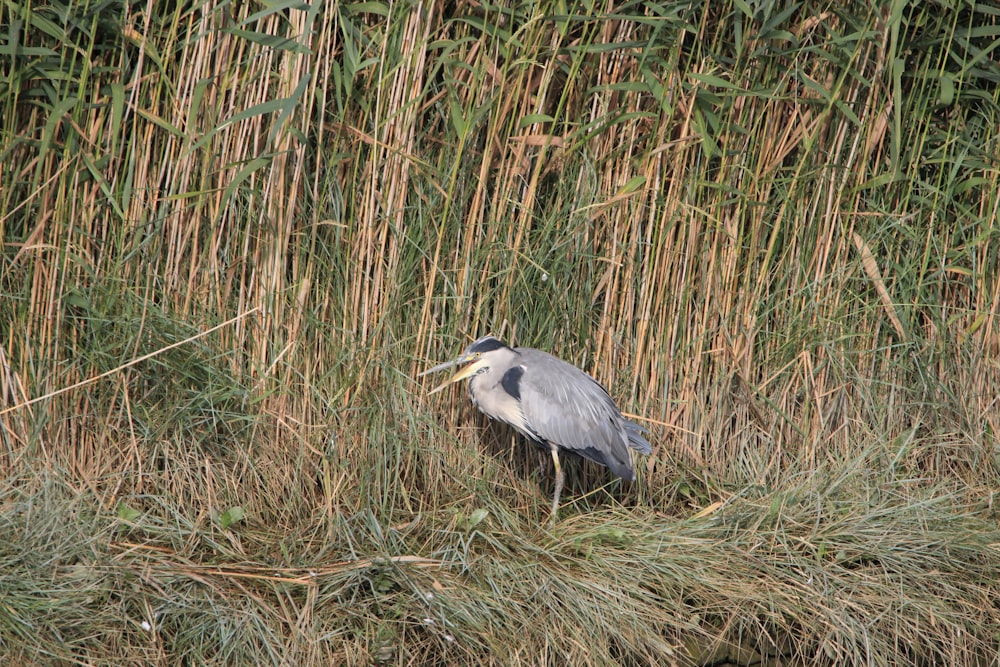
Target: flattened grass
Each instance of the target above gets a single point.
(851, 567)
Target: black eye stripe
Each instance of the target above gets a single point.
(485, 344)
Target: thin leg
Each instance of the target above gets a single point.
(560, 479)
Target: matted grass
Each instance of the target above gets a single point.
(231, 236)
(830, 569)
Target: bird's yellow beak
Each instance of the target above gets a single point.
(460, 375)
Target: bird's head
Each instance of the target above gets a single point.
(477, 358)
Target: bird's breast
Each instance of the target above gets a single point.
(489, 395)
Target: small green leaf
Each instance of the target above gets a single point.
(476, 518)
(633, 185)
(231, 516)
(947, 90)
(78, 299)
(126, 513)
(532, 118)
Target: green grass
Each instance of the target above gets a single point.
(231, 237)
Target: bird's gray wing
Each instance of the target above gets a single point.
(566, 407)
(636, 440)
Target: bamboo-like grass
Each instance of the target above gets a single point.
(232, 235)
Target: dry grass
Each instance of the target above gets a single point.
(771, 232)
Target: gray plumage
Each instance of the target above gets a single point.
(551, 402)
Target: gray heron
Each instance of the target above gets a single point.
(549, 401)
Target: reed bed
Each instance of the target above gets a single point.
(232, 235)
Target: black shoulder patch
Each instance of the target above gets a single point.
(485, 344)
(512, 381)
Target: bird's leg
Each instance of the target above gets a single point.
(559, 484)
(541, 463)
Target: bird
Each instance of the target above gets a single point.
(550, 402)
